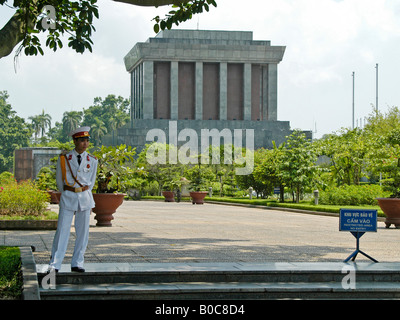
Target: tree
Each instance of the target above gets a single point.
(112, 111)
(117, 121)
(152, 166)
(347, 151)
(185, 11)
(71, 120)
(40, 123)
(98, 130)
(75, 18)
(223, 170)
(297, 167)
(382, 157)
(35, 125)
(266, 171)
(44, 122)
(56, 133)
(14, 133)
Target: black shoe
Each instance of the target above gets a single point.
(77, 269)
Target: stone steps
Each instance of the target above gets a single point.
(215, 291)
(225, 281)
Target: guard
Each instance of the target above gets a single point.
(75, 176)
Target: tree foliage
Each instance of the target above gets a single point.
(182, 12)
(351, 156)
(14, 133)
(292, 165)
(266, 171)
(55, 17)
(115, 164)
(75, 19)
(104, 116)
(40, 123)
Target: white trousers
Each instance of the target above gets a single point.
(60, 242)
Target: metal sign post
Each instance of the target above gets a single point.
(358, 221)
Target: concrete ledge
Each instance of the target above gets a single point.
(30, 290)
(28, 224)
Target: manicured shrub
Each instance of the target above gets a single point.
(10, 273)
(22, 199)
(352, 195)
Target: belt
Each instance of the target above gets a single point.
(84, 188)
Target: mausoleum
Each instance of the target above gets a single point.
(204, 80)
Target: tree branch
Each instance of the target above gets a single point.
(15, 29)
(151, 3)
(11, 34)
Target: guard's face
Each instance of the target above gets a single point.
(81, 144)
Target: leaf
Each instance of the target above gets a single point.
(163, 25)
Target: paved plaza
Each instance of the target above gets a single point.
(158, 232)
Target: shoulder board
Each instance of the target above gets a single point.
(90, 155)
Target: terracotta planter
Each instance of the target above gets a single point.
(105, 205)
(391, 208)
(54, 196)
(169, 196)
(198, 196)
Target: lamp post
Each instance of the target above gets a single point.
(353, 101)
(376, 106)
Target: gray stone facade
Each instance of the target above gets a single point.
(264, 131)
(204, 80)
(29, 161)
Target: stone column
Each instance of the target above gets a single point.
(174, 90)
(133, 93)
(247, 91)
(272, 91)
(223, 90)
(148, 88)
(199, 91)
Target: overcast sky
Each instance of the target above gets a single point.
(326, 41)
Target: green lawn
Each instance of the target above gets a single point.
(10, 273)
(273, 203)
(302, 206)
(47, 215)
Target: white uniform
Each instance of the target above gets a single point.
(79, 203)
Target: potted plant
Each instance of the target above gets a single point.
(391, 168)
(115, 164)
(168, 192)
(46, 181)
(170, 181)
(197, 184)
(391, 206)
(166, 174)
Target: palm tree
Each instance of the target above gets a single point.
(117, 121)
(35, 125)
(71, 120)
(40, 123)
(44, 122)
(121, 119)
(98, 130)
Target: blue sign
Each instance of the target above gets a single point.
(277, 190)
(358, 220)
